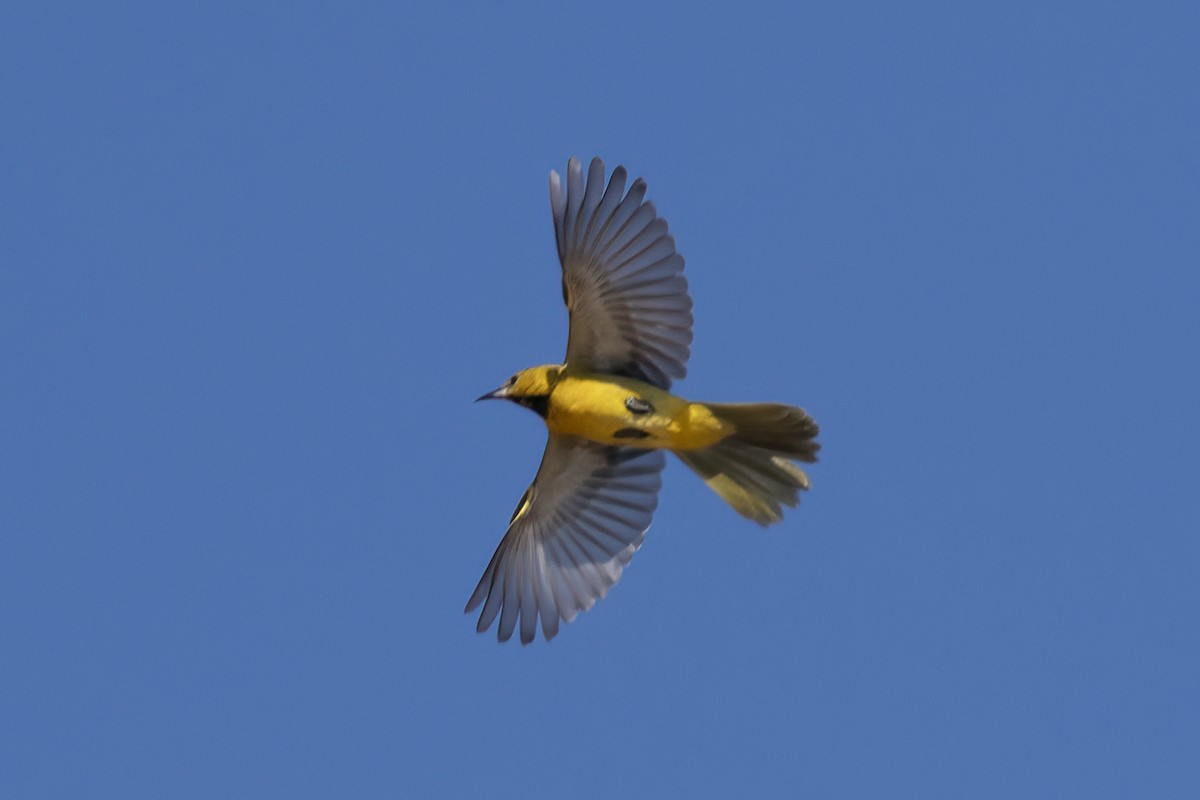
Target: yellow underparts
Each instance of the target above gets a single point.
(597, 407)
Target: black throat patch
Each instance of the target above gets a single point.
(538, 403)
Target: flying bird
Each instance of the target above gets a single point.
(611, 415)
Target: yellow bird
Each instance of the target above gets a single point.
(610, 416)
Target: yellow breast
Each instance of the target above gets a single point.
(621, 411)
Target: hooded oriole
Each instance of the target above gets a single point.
(610, 416)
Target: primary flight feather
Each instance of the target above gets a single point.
(610, 416)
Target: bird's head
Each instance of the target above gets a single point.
(529, 387)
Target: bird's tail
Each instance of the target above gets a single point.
(752, 469)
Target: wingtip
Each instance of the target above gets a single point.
(474, 601)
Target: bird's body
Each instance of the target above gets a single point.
(610, 415)
(612, 410)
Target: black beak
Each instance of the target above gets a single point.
(495, 395)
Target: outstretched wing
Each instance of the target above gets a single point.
(622, 279)
(573, 532)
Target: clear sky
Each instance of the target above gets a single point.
(257, 260)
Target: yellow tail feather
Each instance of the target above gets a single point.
(752, 469)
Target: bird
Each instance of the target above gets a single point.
(611, 416)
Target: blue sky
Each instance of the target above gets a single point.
(256, 261)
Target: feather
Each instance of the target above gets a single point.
(589, 510)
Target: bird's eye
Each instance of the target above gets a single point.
(512, 380)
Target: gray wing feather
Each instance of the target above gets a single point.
(587, 513)
(622, 277)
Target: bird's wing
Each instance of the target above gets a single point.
(573, 532)
(622, 279)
